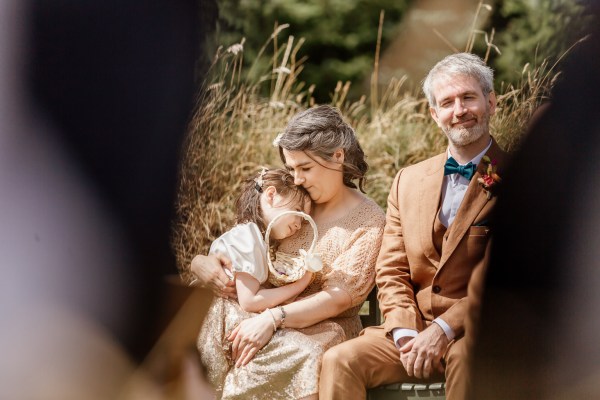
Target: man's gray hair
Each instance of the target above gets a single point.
(460, 64)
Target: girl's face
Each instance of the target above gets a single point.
(273, 204)
(321, 178)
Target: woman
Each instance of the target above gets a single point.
(278, 353)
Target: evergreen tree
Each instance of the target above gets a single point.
(340, 35)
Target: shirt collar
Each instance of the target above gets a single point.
(478, 157)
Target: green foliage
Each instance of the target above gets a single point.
(340, 35)
(534, 30)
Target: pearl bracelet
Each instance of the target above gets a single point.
(274, 320)
(282, 324)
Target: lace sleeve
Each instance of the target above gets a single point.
(353, 270)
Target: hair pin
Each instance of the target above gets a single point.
(277, 139)
(258, 182)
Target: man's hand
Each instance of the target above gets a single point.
(422, 354)
(213, 272)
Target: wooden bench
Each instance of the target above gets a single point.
(370, 316)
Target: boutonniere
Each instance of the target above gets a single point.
(490, 178)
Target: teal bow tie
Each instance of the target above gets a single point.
(452, 167)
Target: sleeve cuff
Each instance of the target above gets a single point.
(445, 327)
(398, 333)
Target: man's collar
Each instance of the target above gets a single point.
(475, 159)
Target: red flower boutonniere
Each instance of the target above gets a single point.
(490, 178)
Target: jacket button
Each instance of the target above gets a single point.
(437, 289)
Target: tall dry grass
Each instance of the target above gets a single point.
(231, 132)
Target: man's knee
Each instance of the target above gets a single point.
(457, 373)
(344, 356)
(341, 375)
(456, 354)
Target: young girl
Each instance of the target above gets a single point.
(263, 198)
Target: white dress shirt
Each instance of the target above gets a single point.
(454, 188)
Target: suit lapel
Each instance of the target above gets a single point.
(429, 203)
(473, 202)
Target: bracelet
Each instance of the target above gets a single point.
(282, 324)
(274, 320)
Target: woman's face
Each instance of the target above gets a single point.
(321, 178)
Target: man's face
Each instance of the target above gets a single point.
(462, 110)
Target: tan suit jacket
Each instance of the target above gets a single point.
(416, 283)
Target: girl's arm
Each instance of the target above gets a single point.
(253, 298)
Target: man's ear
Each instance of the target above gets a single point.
(492, 101)
(338, 155)
(434, 115)
(270, 192)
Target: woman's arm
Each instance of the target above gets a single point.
(318, 307)
(210, 273)
(253, 298)
(254, 333)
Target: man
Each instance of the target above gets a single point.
(537, 334)
(436, 233)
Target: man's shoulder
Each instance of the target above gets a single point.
(425, 167)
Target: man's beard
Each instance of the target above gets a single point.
(462, 136)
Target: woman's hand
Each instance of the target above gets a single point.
(211, 273)
(249, 337)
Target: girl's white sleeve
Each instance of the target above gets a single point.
(245, 247)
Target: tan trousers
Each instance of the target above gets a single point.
(372, 359)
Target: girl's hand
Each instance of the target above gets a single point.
(249, 337)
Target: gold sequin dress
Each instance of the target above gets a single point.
(288, 366)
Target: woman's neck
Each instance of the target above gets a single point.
(338, 206)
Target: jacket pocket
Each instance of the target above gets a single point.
(479, 231)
